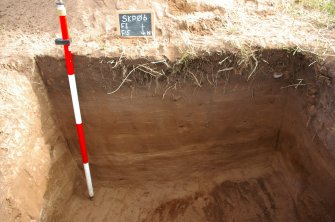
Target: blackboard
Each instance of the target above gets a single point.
(136, 23)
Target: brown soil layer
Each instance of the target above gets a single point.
(198, 143)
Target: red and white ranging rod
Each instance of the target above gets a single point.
(65, 41)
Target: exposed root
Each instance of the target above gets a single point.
(225, 69)
(149, 70)
(116, 63)
(167, 89)
(254, 69)
(123, 81)
(162, 61)
(142, 67)
(295, 85)
(195, 78)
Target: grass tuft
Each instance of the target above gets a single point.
(322, 5)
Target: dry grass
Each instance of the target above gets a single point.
(272, 24)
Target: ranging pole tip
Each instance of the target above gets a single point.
(59, 2)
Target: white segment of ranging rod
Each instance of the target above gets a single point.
(61, 10)
(88, 179)
(75, 100)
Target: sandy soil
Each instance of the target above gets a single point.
(39, 175)
(181, 25)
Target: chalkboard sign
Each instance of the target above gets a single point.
(136, 23)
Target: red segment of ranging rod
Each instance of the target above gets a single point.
(74, 94)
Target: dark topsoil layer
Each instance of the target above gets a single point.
(195, 140)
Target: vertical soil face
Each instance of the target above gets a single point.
(199, 143)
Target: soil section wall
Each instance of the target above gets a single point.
(200, 141)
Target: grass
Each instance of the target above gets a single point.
(322, 5)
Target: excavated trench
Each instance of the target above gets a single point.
(200, 142)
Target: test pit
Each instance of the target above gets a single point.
(196, 140)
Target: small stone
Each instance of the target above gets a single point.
(277, 75)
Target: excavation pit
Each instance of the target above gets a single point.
(211, 138)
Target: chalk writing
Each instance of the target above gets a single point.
(135, 24)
